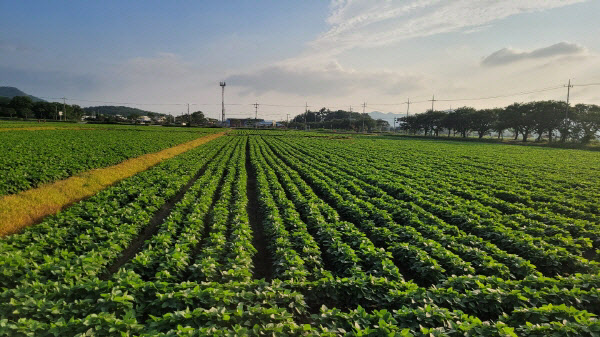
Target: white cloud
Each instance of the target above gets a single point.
(322, 80)
(159, 78)
(509, 55)
(379, 22)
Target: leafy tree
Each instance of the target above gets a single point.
(380, 124)
(462, 120)
(483, 121)
(518, 117)
(7, 112)
(547, 116)
(410, 124)
(511, 119)
(340, 119)
(435, 121)
(42, 110)
(4, 102)
(526, 119)
(568, 126)
(76, 112)
(322, 113)
(587, 119)
(22, 105)
(198, 118)
(449, 123)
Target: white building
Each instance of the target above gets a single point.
(144, 119)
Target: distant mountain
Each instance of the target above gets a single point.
(119, 110)
(11, 92)
(386, 116)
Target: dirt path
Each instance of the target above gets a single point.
(262, 260)
(26, 208)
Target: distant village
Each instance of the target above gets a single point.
(185, 120)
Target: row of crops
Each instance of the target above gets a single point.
(352, 236)
(32, 158)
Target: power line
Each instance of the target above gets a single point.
(286, 106)
(306, 106)
(585, 85)
(501, 96)
(481, 98)
(330, 107)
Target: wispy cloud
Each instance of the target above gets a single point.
(355, 23)
(329, 79)
(14, 47)
(509, 55)
(375, 23)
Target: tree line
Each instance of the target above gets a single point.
(24, 107)
(338, 119)
(552, 119)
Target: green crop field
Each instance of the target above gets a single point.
(305, 234)
(31, 158)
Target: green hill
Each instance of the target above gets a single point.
(119, 110)
(11, 92)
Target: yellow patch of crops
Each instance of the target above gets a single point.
(23, 209)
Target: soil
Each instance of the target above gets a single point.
(262, 260)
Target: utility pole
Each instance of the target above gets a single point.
(432, 100)
(305, 115)
(569, 86)
(65, 108)
(350, 118)
(255, 115)
(222, 84)
(407, 106)
(189, 116)
(364, 105)
(287, 124)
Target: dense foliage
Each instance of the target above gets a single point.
(361, 236)
(27, 107)
(338, 119)
(549, 119)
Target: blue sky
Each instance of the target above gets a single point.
(290, 52)
(83, 34)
